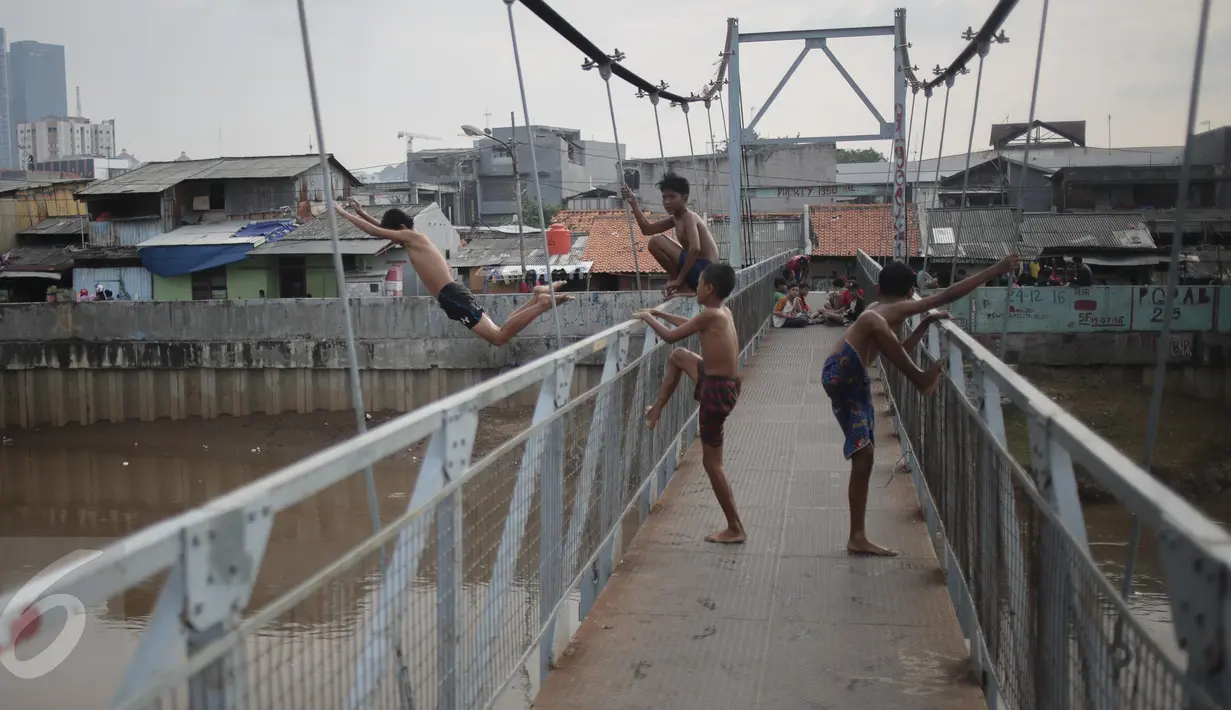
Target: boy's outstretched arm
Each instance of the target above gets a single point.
(673, 335)
(647, 227)
(957, 290)
(887, 343)
(917, 334)
(401, 236)
(670, 317)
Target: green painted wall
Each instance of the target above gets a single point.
(247, 278)
(321, 281)
(173, 288)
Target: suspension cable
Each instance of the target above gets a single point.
(927, 102)
(1173, 284)
(692, 151)
(970, 143)
(1021, 187)
(604, 71)
(662, 154)
(538, 188)
(906, 155)
(940, 150)
(339, 272)
(713, 152)
(352, 356)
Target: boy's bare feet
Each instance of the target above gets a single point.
(727, 536)
(861, 546)
(652, 413)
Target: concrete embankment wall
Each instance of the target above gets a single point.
(115, 361)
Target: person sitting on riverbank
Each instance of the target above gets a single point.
(455, 300)
(787, 313)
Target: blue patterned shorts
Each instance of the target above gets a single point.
(850, 393)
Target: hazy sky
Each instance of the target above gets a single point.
(177, 74)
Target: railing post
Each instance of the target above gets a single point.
(446, 458)
(1198, 590)
(1053, 474)
(551, 514)
(452, 453)
(601, 447)
(222, 556)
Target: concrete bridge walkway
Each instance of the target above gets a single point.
(788, 620)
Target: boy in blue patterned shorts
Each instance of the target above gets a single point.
(846, 381)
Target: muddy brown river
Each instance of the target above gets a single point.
(78, 488)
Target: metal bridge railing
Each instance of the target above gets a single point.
(446, 603)
(1046, 628)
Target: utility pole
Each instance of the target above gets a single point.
(521, 236)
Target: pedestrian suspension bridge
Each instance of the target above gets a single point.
(565, 565)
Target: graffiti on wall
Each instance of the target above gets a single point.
(1094, 309)
(1192, 308)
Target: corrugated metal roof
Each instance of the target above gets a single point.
(203, 235)
(53, 226)
(978, 225)
(980, 251)
(1103, 230)
(256, 168)
(45, 259)
(7, 186)
(149, 178)
(286, 247)
(318, 228)
(506, 252)
(1051, 158)
(156, 177)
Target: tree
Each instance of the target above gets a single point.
(863, 155)
(530, 211)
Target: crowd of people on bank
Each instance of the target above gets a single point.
(841, 307)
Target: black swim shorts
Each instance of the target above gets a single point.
(458, 304)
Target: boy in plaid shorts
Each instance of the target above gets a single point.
(716, 374)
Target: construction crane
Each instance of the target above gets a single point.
(410, 139)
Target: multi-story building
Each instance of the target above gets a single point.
(37, 86)
(487, 186)
(59, 138)
(8, 154)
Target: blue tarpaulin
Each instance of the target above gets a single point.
(271, 229)
(184, 259)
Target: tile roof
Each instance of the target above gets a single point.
(38, 258)
(842, 230)
(607, 242)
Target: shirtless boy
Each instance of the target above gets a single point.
(683, 260)
(846, 381)
(455, 299)
(716, 374)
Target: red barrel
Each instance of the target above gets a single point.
(559, 240)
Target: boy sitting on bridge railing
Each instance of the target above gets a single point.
(846, 381)
(716, 374)
(455, 300)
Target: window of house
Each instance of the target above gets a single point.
(209, 284)
(217, 196)
(499, 151)
(292, 277)
(349, 262)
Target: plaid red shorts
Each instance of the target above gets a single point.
(717, 396)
